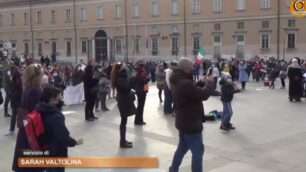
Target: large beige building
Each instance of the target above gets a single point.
(153, 29)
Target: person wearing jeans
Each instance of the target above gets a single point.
(194, 142)
(189, 118)
(168, 107)
(227, 95)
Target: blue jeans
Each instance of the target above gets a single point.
(227, 113)
(168, 100)
(194, 142)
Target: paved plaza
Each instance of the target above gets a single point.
(270, 135)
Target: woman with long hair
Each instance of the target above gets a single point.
(161, 76)
(32, 88)
(115, 71)
(90, 91)
(125, 99)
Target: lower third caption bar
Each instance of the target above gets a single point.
(75, 162)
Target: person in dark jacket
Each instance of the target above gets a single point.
(140, 84)
(7, 88)
(188, 97)
(56, 136)
(32, 88)
(125, 99)
(15, 97)
(295, 76)
(90, 91)
(273, 75)
(227, 95)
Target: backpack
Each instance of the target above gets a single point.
(34, 128)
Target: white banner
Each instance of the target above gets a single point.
(74, 94)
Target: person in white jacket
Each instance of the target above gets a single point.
(214, 71)
(168, 105)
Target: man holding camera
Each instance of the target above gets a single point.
(187, 98)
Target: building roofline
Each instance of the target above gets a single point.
(20, 2)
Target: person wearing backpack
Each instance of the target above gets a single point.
(227, 95)
(56, 136)
(32, 88)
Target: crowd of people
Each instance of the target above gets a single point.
(31, 86)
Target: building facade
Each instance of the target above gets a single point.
(151, 29)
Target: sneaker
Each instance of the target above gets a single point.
(11, 133)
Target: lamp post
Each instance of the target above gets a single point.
(236, 39)
(284, 43)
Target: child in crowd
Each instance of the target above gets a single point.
(227, 95)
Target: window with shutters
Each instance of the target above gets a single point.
(291, 23)
(174, 7)
(68, 46)
(100, 13)
(217, 5)
(68, 15)
(53, 17)
(265, 41)
(25, 18)
(13, 19)
(155, 8)
(291, 38)
(217, 27)
(136, 10)
(154, 46)
(265, 4)
(117, 11)
(196, 7)
(265, 24)
(84, 47)
(240, 5)
(240, 25)
(196, 44)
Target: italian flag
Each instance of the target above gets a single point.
(201, 55)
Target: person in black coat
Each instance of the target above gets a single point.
(15, 97)
(7, 88)
(125, 99)
(187, 98)
(140, 85)
(90, 91)
(56, 137)
(295, 76)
